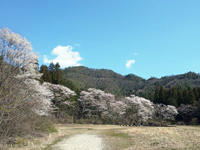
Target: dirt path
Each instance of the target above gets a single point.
(80, 142)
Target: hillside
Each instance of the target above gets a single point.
(103, 79)
(112, 82)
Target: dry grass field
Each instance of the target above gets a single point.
(123, 138)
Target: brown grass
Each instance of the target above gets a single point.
(126, 138)
(155, 138)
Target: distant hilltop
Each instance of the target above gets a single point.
(119, 85)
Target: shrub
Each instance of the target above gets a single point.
(44, 125)
(194, 121)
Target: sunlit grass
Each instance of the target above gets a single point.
(127, 138)
(180, 137)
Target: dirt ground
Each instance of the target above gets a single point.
(113, 137)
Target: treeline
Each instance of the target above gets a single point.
(176, 96)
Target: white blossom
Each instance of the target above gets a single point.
(95, 102)
(46, 92)
(18, 52)
(145, 108)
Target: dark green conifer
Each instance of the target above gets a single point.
(46, 74)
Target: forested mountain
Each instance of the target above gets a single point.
(103, 79)
(82, 78)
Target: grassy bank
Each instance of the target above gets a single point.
(127, 138)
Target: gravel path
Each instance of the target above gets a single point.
(80, 142)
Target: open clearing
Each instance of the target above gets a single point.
(113, 137)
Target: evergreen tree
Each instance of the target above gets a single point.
(57, 75)
(196, 92)
(172, 101)
(174, 93)
(54, 73)
(198, 98)
(46, 74)
(180, 99)
(156, 95)
(51, 68)
(191, 96)
(162, 96)
(185, 96)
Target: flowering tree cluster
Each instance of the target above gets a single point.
(98, 104)
(48, 94)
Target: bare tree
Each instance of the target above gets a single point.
(17, 63)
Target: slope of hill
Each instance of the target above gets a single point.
(109, 81)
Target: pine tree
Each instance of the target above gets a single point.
(191, 96)
(162, 96)
(185, 96)
(196, 92)
(46, 74)
(51, 68)
(172, 101)
(180, 99)
(174, 93)
(198, 98)
(156, 95)
(57, 76)
(55, 73)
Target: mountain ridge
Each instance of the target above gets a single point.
(117, 84)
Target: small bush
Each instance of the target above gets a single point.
(44, 125)
(194, 121)
(180, 123)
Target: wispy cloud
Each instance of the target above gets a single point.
(135, 53)
(65, 56)
(129, 63)
(77, 44)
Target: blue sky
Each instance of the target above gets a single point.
(149, 38)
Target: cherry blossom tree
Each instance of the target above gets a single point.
(129, 110)
(18, 63)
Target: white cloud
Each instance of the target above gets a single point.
(129, 63)
(65, 56)
(135, 53)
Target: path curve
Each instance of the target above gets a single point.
(80, 142)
